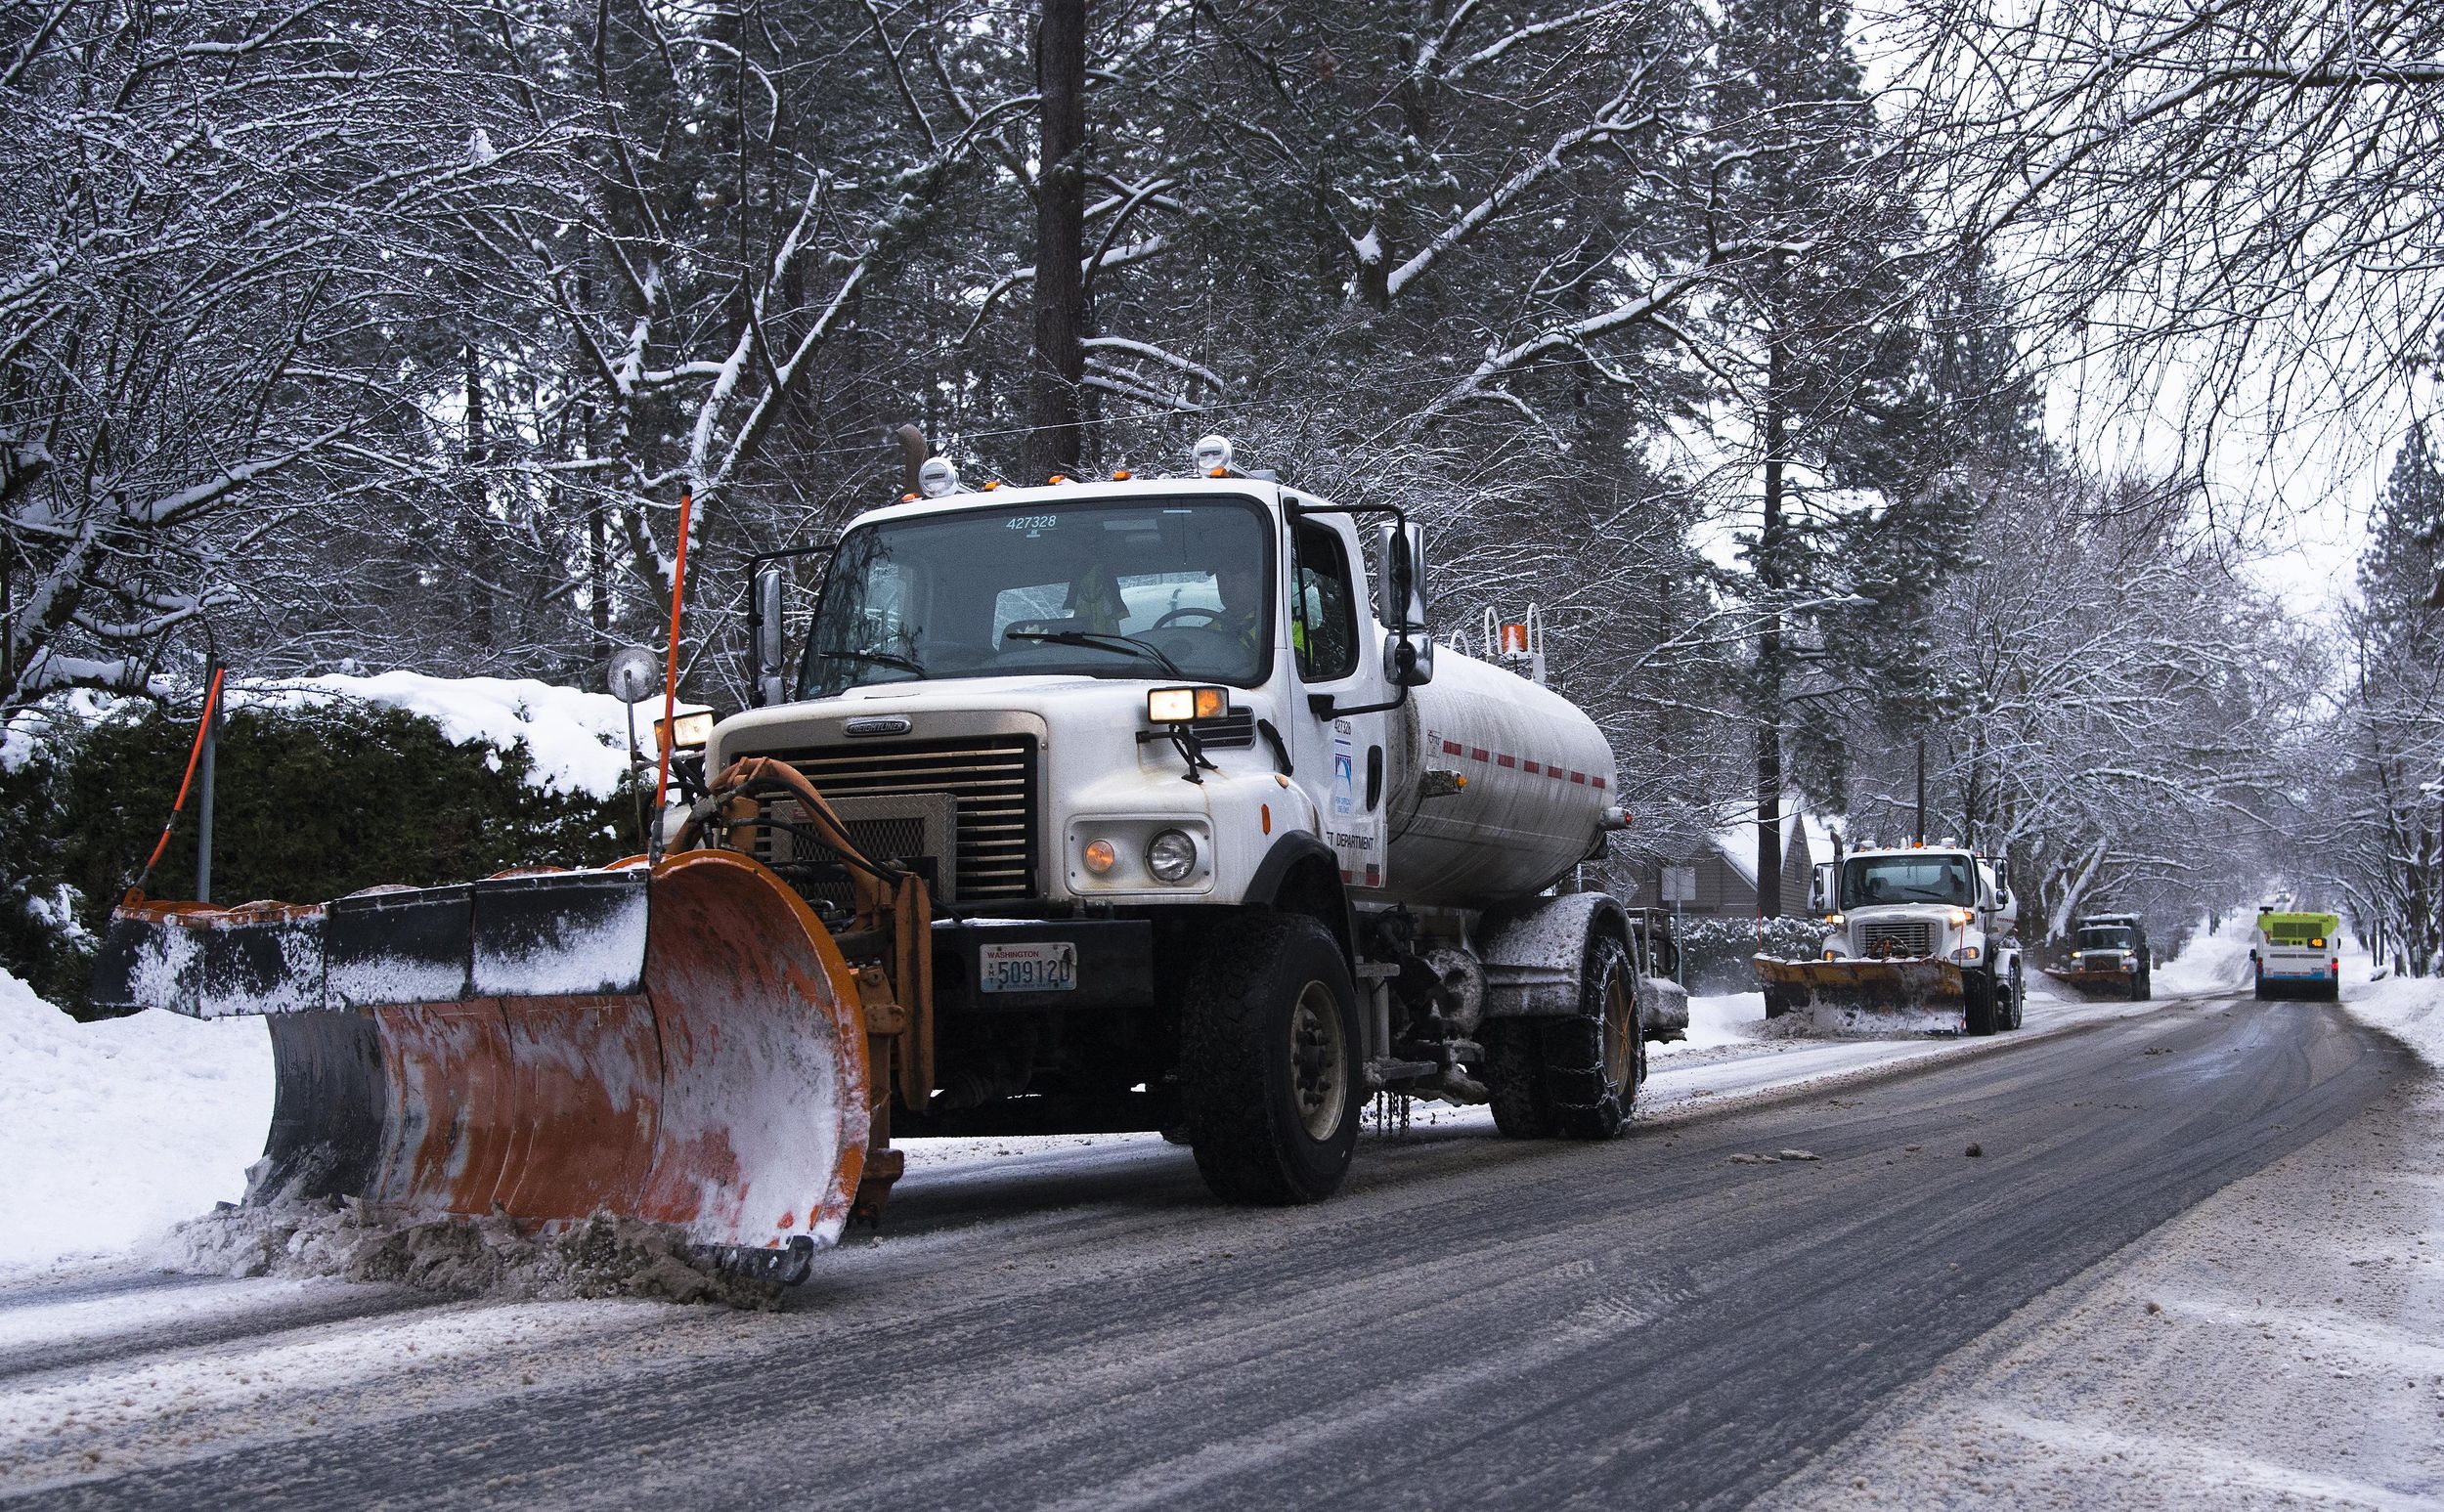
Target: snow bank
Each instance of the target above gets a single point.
(2217, 962)
(114, 1131)
(1733, 1019)
(2408, 1008)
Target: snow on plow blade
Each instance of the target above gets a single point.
(2116, 981)
(1874, 997)
(682, 1046)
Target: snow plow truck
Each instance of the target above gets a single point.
(1087, 808)
(2109, 958)
(1918, 939)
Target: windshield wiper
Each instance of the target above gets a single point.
(1099, 640)
(890, 659)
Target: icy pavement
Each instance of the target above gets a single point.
(2279, 1345)
(129, 1127)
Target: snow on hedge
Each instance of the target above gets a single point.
(578, 740)
(116, 1129)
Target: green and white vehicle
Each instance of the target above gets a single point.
(2298, 955)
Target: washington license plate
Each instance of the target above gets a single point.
(1049, 966)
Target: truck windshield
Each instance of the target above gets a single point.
(1915, 879)
(1144, 589)
(2116, 937)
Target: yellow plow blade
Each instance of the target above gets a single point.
(1873, 997)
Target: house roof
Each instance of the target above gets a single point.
(1737, 842)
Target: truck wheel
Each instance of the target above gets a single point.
(1594, 1061)
(1514, 1050)
(2019, 996)
(1778, 1002)
(2260, 977)
(1979, 991)
(1575, 1077)
(1269, 1061)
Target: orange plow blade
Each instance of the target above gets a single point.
(683, 1046)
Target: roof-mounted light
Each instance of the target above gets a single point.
(935, 477)
(1211, 455)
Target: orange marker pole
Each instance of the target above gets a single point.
(670, 669)
(211, 703)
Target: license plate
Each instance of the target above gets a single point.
(1049, 966)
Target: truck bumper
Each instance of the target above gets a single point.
(1113, 963)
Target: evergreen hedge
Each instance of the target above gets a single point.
(310, 803)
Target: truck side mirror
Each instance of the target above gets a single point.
(1822, 896)
(764, 634)
(1400, 604)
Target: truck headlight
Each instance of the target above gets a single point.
(1171, 855)
(1179, 705)
(685, 732)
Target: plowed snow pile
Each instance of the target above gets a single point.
(114, 1131)
(604, 1257)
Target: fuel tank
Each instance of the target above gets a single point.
(1496, 788)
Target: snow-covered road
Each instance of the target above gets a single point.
(1670, 1319)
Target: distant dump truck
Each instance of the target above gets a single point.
(2108, 957)
(2298, 955)
(1918, 939)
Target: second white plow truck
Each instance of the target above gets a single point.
(1919, 938)
(1085, 807)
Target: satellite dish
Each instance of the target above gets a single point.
(633, 673)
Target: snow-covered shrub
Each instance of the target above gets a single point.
(1717, 952)
(312, 802)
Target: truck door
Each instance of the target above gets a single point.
(1340, 757)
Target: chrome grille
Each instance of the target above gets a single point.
(991, 779)
(1908, 937)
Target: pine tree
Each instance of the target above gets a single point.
(1822, 319)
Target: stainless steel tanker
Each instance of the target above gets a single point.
(1539, 780)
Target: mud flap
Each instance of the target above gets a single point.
(685, 1047)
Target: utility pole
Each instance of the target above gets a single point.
(1920, 833)
(1058, 372)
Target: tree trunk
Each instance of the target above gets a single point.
(1055, 441)
(474, 532)
(1770, 651)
